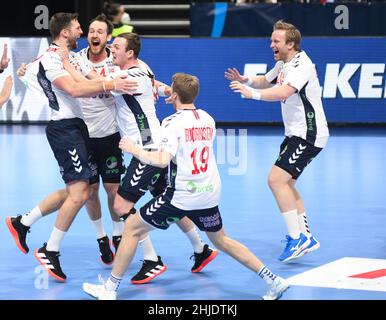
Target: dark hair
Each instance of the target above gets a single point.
(133, 42)
(111, 9)
(186, 86)
(60, 21)
(102, 18)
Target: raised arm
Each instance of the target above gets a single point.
(257, 82)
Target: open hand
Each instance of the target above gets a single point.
(242, 89)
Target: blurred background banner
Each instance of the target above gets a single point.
(256, 20)
(351, 72)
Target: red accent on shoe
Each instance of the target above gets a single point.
(206, 261)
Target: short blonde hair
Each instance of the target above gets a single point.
(292, 34)
(186, 86)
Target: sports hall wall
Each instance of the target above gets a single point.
(351, 71)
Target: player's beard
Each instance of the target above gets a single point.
(72, 42)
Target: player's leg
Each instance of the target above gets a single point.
(20, 225)
(109, 159)
(48, 254)
(93, 206)
(118, 225)
(239, 252)
(135, 183)
(279, 180)
(68, 139)
(135, 229)
(202, 254)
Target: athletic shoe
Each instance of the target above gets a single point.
(294, 248)
(276, 289)
(116, 242)
(99, 291)
(19, 232)
(314, 245)
(150, 269)
(107, 255)
(50, 261)
(203, 258)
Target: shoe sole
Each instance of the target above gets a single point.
(206, 261)
(313, 248)
(148, 279)
(300, 253)
(53, 275)
(15, 235)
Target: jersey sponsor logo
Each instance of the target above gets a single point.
(210, 221)
(338, 78)
(112, 164)
(193, 187)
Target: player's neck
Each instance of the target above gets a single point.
(61, 43)
(291, 55)
(95, 58)
(181, 106)
(130, 63)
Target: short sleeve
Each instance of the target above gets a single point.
(141, 79)
(272, 74)
(169, 137)
(299, 74)
(53, 67)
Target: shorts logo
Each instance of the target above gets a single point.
(137, 175)
(297, 154)
(75, 160)
(155, 206)
(210, 221)
(111, 162)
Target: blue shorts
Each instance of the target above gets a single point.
(140, 178)
(107, 159)
(295, 154)
(69, 141)
(160, 214)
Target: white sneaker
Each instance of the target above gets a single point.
(276, 289)
(99, 291)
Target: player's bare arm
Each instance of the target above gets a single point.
(155, 158)
(6, 91)
(257, 82)
(280, 93)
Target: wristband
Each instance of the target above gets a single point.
(256, 95)
(161, 91)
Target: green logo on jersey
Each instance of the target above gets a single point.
(193, 187)
(310, 121)
(111, 164)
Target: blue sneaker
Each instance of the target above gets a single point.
(314, 245)
(294, 248)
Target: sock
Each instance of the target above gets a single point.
(195, 240)
(98, 226)
(56, 238)
(303, 224)
(266, 275)
(113, 283)
(118, 227)
(292, 223)
(31, 217)
(148, 250)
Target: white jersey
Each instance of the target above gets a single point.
(99, 111)
(136, 114)
(302, 112)
(194, 180)
(40, 75)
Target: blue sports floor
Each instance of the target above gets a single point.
(343, 189)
